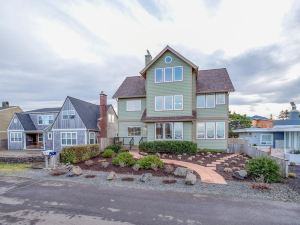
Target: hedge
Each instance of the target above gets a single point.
(170, 147)
(79, 153)
(114, 147)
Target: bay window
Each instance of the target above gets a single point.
(168, 130)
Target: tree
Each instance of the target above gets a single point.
(283, 115)
(238, 121)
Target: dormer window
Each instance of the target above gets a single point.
(45, 119)
(168, 59)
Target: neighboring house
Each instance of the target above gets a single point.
(6, 114)
(261, 122)
(173, 100)
(77, 122)
(284, 135)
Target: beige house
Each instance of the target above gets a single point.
(6, 114)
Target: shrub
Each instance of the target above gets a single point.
(79, 153)
(150, 161)
(264, 167)
(115, 148)
(124, 157)
(170, 147)
(108, 153)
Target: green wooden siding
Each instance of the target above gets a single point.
(170, 88)
(130, 116)
(212, 144)
(123, 130)
(220, 111)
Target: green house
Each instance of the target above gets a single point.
(172, 99)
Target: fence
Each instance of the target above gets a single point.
(241, 146)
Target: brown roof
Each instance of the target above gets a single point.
(167, 118)
(215, 80)
(131, 87)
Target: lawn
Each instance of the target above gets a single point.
(14, 167)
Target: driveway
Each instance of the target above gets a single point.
(27, 201)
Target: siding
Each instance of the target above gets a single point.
(220, 111)
(212, 144)
(48, 143)
(81, 138)
(184, 87)
(123, 130)
(125, 116)
(34, 118)
(69, 123)
(16, 145)
(112, 128)
(15, 126)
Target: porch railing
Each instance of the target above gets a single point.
(126, 141)
(143, 139)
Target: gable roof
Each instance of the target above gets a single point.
(131, 87)
(214, 80)
(88, 112)
(45, 110)
(26, 121)
(168, 48)
(257, 117)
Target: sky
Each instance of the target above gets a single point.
(53, 49)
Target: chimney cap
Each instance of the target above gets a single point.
(102, 93)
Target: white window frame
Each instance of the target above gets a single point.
(61, 135)
(13, 137)
(216, 129)
(163, 103)
(204, 133)
(111, 118)
(173, 131)
(267, 144)
(174, 73)
(172, 102)
(223, 102)
(206, 125)
(136, 109)
(70, 114)
(45, 119)
(181, 123)
(181, 96)
(168, 56)
(49, 135)
(134, 135)
(214, 106)
(199, 107)
(162, 73)
(94, 138)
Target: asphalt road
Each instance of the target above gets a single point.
(25, 201)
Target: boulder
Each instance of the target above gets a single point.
(233, 162)
(101, 160)
(136, 167)
(59, 171)
(190, 158)
(89, 162)
(146, 177)
(200, 162)
(179, 157)
(182, 171)
(228, 170)
(157, 154)
(240, 174)
(105, 164)
(75, 171)
(170, 156)
(235, 168)
(190, 179)
(169, 168)
(144, 153)
(111, 176)
(242, 165)
(184, 154)
(226, 164)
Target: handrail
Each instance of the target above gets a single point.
(143, 139)
(131, 143)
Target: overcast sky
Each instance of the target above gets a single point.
(51, 49)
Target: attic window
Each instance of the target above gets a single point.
(168, 59)
(15, 120)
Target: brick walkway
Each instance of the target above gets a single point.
(207, 174)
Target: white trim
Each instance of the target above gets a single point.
(10, 137)
(14, 130)
(163, 103)
(172, 73)
(139, 108)
(168, 56)
(12, 120)
(216, 128)
(181, 130)
(45, 124)
(204, 101)
(261, 135)
(214, 123)
(221, 103)
(172, 101)
(162, 74)
(214, 95)
(204, 137)
(68, 129)
(49, 132)
(66, 138)
(175, 104)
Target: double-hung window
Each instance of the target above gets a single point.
(201, 130)
(40, 138)
(220, 98)
(266, 139)
(201, 101)
(68, 114)
(220, 130)
(178, 73)
(159, 103)
(92, 138)
(15, 136)
(68, 138)
(45, 119)
(168, 102)
(169, 131)
(133, 105)
(210, 101)
(168, 74)
(178, 131)
(159, 75)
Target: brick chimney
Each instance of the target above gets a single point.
(103, 115)
(5, 104)
(148, 58)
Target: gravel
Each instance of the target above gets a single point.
(233, 189)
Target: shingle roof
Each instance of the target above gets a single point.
(167, 118)
(45, 110)
(131, 87)
(88, 112)
(26, 121)
(214, 80)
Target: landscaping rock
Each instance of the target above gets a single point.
(111, 176)
(146, 177)
(233, 162)
(75, 171)
(164, 156)
(122, 164)
(58, 171)
(200, 162)
(182, 171)
(190, 158)
(184, 154)
(235, 168)
(101, 160)
(170, 156)
(228, 170)
(154, 167)
(144, 153)
(89, 162)
(240, 174)
(190, 179)
(242, 165)
(169, 168)
(226, 164)
(136, 167)
(179, 157)
(105, 164)
(158, 155)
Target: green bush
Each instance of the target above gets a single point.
(265, 168)
(108, 153)
(149, 161)
(115, 148)
(79, 153)
(170, 147)
(124, 157)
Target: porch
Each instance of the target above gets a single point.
(34, 141)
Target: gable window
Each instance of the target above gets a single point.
(220, 99)
(68, 138)
(168, 74)
(45, 119)
(15, 120)
(68, 114)
(16, 137)
(159, 103)
(220, 130)
(49, 136)
(201, 130)
(178, 73)
(159, 75)
(134, 131)
(210, 130)
(133, 105)
(168, 59)
(210, 101)
(201, 101)
(178, 102)
(92, 138)
(266, 139)
(168, 103)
